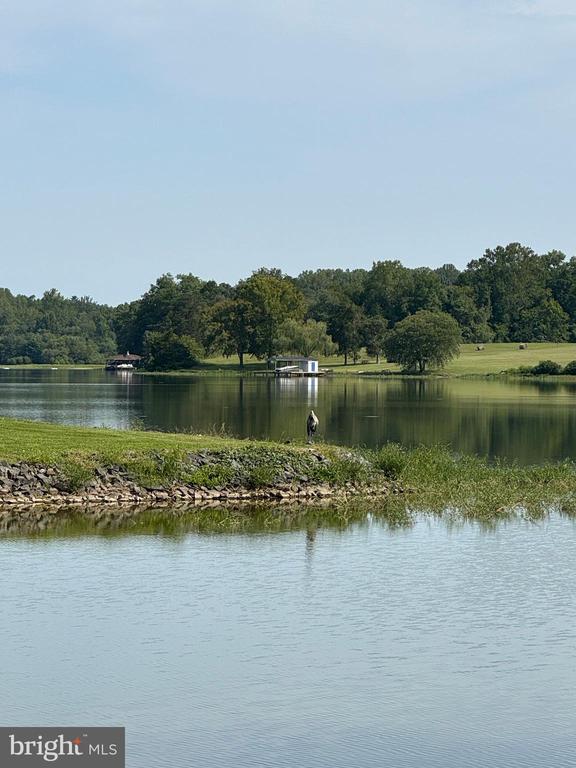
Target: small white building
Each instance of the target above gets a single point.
(294, 365)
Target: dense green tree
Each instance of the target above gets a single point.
(393, 291)
(511, 281)
(273, 298)
(374, 334)
(166, 350)
(545, 321)
(423, 339)
(181, 305)
(346, 326)
(473, 320)
(232, 326)
(54, 329)
(317, 285)
(563, 286)
(305, 338)
(126, 327)
(425, 291)
(388, 284)
(447, 274)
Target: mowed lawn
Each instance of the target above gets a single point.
(494, 358)
(37, 441)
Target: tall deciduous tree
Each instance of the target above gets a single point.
(273, 298)
(232, 327)
(346, 326)
(388, 285)
(424, 339)
(179, 305)
(166, 350)
(375, 333)
(305, 338)
(473, 320)
(511, 281)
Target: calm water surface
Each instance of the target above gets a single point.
(432, 646)
(524, 420)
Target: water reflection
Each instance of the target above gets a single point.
(528, 421)
(213, 519)
(362, 645)
(207, 519)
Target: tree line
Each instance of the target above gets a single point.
(511, 293)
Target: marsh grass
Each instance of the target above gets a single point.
(471, 486)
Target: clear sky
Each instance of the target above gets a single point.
(139, 137)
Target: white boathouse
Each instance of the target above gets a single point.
(294, 365)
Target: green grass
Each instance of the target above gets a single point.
(163, 458)
(40, 442)
(493, 359)
(469, 486)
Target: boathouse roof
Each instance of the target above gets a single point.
(127, 358)
(294, 358)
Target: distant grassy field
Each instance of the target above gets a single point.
(494, 358)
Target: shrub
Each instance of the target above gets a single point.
(570, 368)
(547, 368)
(346, 467)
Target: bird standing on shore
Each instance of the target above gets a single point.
(311, 426)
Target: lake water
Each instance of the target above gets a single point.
(529, 421)
(425, 646)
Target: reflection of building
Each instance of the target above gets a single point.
(308, 385)
(294, 365)
(125, 362)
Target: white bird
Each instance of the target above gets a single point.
(311, 425)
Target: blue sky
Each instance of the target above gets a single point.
(147, 136)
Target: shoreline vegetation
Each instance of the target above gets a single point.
(492, 360)
(52, 467)
(417, 317)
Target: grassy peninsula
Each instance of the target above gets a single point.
(430, 478)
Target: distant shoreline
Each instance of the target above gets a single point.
(492, 360)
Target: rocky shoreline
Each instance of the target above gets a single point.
(25, 485)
